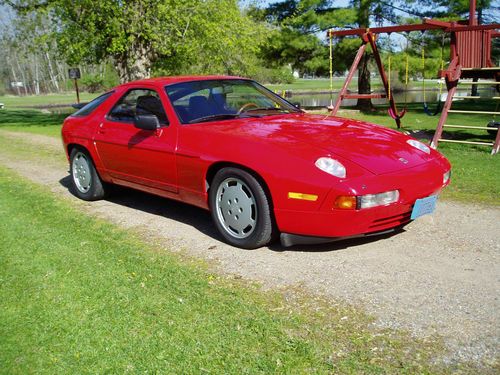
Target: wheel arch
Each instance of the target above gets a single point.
(217, 166)
(71, 146)
(93, 156)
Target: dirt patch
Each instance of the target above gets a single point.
(440, 276)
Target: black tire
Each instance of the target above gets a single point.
(254, 204)
(85, 181)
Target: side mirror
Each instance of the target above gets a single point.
(146, 122)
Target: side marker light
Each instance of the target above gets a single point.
(302, 196)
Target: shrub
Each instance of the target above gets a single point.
(99, 82)
(272, 75)
(93, 83)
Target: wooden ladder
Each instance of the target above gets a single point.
(447, 109)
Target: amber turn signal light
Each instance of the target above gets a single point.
(345, 202)
(302, 196)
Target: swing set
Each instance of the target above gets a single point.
(470, 58)
(368, 37)
(439, 105)
(427, 110)
(397, 116)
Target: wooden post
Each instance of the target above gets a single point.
(74, 73)
(472, 13)
(496, 145)
(77, 92)
(452, 88)
(343, 90)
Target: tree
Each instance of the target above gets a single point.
(294, 37)
(299, 21)
(140, 35)
(29, 54)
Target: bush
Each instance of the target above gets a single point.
(93, 83)
(99, 82)
(272, 75)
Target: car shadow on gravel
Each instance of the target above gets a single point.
(202, 221)
(153, 204)
(335, 245)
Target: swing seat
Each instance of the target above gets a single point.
(396, 116)
(438, 109)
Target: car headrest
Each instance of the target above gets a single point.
(151, 104)
(198, 102)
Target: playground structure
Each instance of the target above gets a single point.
(470, 58)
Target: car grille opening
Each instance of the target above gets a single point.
(390, 221)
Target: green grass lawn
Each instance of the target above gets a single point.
(11, 101)
(78, 295)
(31, 121)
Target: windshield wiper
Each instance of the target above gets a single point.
(267, 109)
(219, 116)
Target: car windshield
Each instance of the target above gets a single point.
(211, 100)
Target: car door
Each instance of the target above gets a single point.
(134, 156)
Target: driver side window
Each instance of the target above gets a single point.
(138, 102)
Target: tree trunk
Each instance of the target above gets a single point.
(23, 77)
(15, 79)
(364, 84)
(134, 65)
(53, 78)
(14, 75)
(36, 82)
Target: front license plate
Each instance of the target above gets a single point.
(424, 206)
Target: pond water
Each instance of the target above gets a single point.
(413, 96)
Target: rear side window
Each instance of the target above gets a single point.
(87, 109)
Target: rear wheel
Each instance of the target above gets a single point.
(87, 184)
(240, 209)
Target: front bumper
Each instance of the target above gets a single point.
(328, 222)
(288, 239)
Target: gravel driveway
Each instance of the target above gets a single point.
(440, 276)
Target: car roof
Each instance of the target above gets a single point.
(164, 81)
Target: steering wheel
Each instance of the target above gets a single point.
(244, 107)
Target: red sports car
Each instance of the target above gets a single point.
(260, 165)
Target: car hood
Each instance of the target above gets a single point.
(375, 148)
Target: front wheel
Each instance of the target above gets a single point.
(240, 209)
(86, 183)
